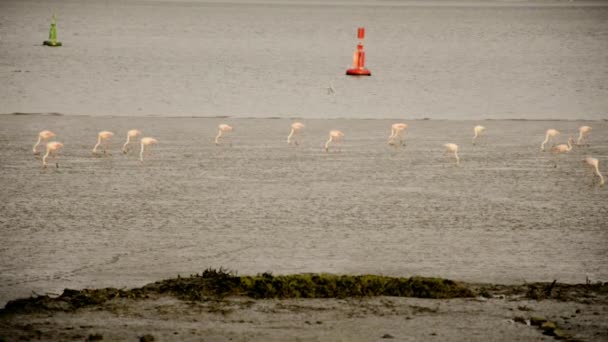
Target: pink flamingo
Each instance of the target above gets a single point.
(132, 134)
(397, 132)
(44, 135)
(223, 128)
(453, 148)
(551, 133)
(296, 127)
(478, 131)
(102, 137)
(562, 148)
(51, 150)
(593, 162)
(146, 142)
(583, 132)
(334, 136)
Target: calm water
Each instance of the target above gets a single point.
(506, 215)
(190, 58)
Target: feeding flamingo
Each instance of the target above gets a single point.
(222, 129)
(334, 136)
(583, 132)
(132, 134)
(146, 142)
(296, 127)
(44, 135)
(102, 137)
(478, 131)
(551, 133)
(593, 162)
(397, 132)
(51, 150)
(453, 148)
(561, 148)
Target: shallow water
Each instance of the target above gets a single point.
(441, 60)
(506, 215)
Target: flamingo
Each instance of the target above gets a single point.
(51, 150)
(44, 135)
(453, 148)
(397, 131)
(583, 131)
(134, 133)
(296, 127)
(102, 137)
(551, 133)
(222, 128)
(478, 131)
(593, 162)
(562, 148)
(334, 135)
(145, 142)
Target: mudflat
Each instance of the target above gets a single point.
(508, 214)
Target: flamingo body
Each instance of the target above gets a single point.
(102, 138)
(223, 128)
(296, 127)
(397, 130)
(334, 136)
(147, 141)
(453, 148)
(593, 162)
(478, 130)
(562, 148)
(583, 132)
(551, 133)
(51, 150)
(132, 134)
(43, 136)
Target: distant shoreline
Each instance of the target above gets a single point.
(283, 118)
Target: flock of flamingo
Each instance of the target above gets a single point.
(396, 138)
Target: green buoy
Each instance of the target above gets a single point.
(52, 35)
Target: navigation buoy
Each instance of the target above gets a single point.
(358, 68)
(52, 35)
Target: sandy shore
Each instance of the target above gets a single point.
(502, 314)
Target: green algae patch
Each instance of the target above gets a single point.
(214, 283)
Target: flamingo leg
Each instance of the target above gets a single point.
(219, 134)
(327, 143)
(37, 143)
(124, 147)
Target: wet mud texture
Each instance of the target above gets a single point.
(506, 215)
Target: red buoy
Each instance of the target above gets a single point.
(358, 68)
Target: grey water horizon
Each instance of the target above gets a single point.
(460, 60)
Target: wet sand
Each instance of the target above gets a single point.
(506, 215)
(366, 319)
(576, 313)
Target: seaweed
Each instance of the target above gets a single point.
(218, 283)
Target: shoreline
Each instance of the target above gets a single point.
(48, 114)
(503, 312)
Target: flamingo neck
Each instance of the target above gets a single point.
(48, 151)
(97, 145)
(37, 143)
(328, 141)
